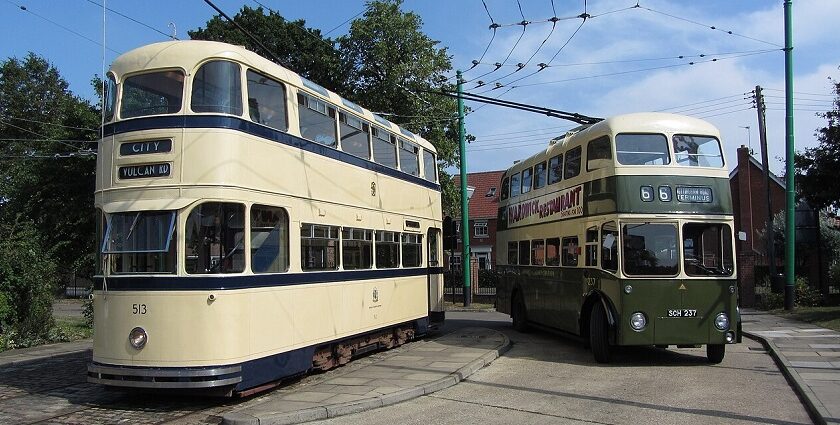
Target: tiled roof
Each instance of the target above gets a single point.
(481, 205)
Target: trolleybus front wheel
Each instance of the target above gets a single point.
(519, 314)
(715, 352)
(599, 333)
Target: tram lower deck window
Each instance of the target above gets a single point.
(387, 250)
(215, 238)
(318, 247)
(412, 250)
(269, 239)
(140, 242)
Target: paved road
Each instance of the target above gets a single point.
(542, 379)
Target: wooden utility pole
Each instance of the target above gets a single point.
(769, 233)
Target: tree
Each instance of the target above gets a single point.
(301, 49)
(816, 168)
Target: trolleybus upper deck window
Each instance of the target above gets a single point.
(527, 177)
(555, 169)
(515, 186)
(650, 249)
(152, 93)
(707, 248)
(642, 149)
(572, 165)
(697, 151)
(215, 238)
(539, 175)
(217, 87)
(598, 153)
(505, 188)
(266, 101)
(140, 242)
(269, 239)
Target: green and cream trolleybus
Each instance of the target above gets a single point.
(621, 232)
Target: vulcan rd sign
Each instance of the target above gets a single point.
(144, 171)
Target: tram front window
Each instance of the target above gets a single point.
(707, 249)
(140, 242)
(650, 249)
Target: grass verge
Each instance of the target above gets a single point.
(826, 317)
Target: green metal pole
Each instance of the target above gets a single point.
(465, 216)
(790, 222)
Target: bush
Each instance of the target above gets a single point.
(806, 296)
(27, 280)
(771, 301)
(488, 278)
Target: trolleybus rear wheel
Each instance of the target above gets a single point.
(715, 352)
(519, 314)
(599, 334)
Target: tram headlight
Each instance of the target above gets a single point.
(138, 337)
(722, 322)
(638, 321)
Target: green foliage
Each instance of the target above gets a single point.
(385, 63)
(806, 295)
(27, 280)
(771, 301)
(87, 312)
(816, 168)
(488, 278)
(41, 118)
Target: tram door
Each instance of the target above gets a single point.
(436, 309)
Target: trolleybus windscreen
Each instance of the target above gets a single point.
(642, 149)
(708, 249)
(650, 249)
(697, 151)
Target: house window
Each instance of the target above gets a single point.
(455, 263)
(490, 193)
(480, 229)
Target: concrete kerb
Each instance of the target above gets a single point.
(340, 409)
(816, 409)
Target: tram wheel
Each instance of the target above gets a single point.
(599, 333)
(519, 314)
(715, 352)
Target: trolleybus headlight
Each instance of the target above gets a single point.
(722, 321)
(638, 321)
(137, 337)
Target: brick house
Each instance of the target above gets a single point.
(749, 202)
(483, 211)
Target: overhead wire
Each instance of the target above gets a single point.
(26, 9)
(52, 124)
(102, 5)
(38, 134)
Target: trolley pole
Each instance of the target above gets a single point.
(790, 222)
(466, 265)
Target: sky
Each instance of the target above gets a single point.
(620, 59)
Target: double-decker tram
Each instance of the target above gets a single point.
(621, 232)
(253, 225)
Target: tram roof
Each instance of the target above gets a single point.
(188, 54)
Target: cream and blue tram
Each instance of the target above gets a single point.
(621, 233)
(253, 225)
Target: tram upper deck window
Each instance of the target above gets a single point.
(555, 169)
(707, 248)
(140, 242)
(266, 101)
(317, 120)
(515, 186)
(384, 148)
(598, 153)
(354, 135)
(697, 151)
(642, 149)
(214, 238)
(217, 87)
(429, 166)
(110, 97)
(318, 247)
(409, 158)
(153, 93)
(269, 239)
(650, 249)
